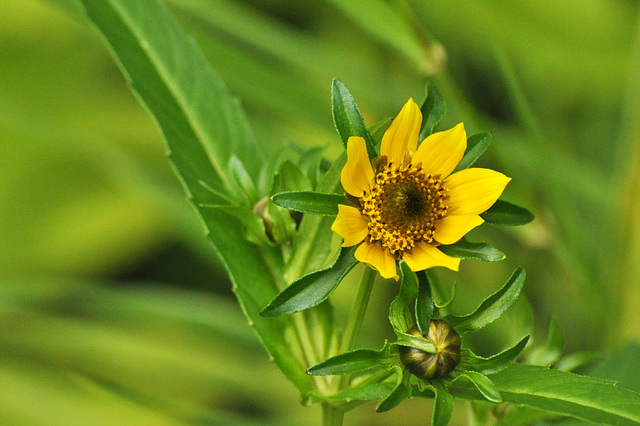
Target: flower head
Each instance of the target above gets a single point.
(407, 202)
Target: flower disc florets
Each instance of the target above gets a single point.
(409, 202)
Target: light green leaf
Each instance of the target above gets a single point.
(504, 213)
(576, 360)
(367, 392)
(553, 348)
(377, 131)
(584, 398)
(405, 339)
(499, 361)
(433, 110)
(202, 126)
(352, 362)
(347, 117)
(476, 146)
(492, 307)
(399, 311)
(442, 405)
(310, 202)
(486, 387)
(312, 289)
(465, 249)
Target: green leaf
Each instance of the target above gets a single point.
(424, 303)
(486, 387)
(504, 213)
(442, 405)
(377, 131)
(499, 361)
(492, 307)
(367, 392)
(202, 126)
(405, 339)
(352, 362)
(312, 289)
(401, 392)
(290, 178)
(347, 117)
(584, 398)
(553, 348)
(476, 146)
(465, 249)
(433, 110)
(310, 202)
(253, 226)
(242, 181)
(576, 360)
(399, 311)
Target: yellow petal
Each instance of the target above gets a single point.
(351, 225)
(472, 191)
(450, 229)
(441, 152)
(379, 259)
(357, 174)
(403, 133)
(424, 256)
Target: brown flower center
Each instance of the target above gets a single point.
(403, 206)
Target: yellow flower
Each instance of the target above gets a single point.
(407, 201)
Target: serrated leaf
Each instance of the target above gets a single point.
(351, 362)
(497, 362)
(492, 307)
(424, 303)
(504, 213)
(433, 110)
(476, 146)
(401, 392)
(399, 311)
(584, 398)
(347, 117)
(310, 202)
(484, 385)
(312, 289)
(465, 249)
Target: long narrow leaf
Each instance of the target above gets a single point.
(310, 202)
(465, 249)
(347, 116)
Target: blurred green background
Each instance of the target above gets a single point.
(114, 309)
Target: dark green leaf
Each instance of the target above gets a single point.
(424, 303)
(492, 307)
(486, 387)
(401, 392)
(465, 249)
(351, 362)
(476, 146)
(499, 361)
(504, 213)
(399, 311)
(433, 109)
(584, 398)
(313, 288)
(347, 117)
(442, 405)
(310, 202)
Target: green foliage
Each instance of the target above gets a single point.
(310, 202)
(347, 117)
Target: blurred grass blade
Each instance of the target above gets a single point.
(465, 249)
(477, 144)
(491, 307)
(309, 202)
(347, 117)
(504, 213)
(312, 289)
(202, 126)
(433, 109)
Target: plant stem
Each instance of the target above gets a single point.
(331, 416)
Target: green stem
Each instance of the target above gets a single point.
(331, 416)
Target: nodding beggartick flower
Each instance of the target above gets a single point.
(407, 202)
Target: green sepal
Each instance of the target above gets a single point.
(353, 362)
(484, 385)
(442, 404)
(405, 339)
(497, 362)
(491, 307)
(465, 249)
(424, 303)
(507, 214)
(399, 311)
(476, 146)
(347, 117)
(433, 109)
(553, 348)
(313, 288)
(310, 202)
(377, 131)
(400, 392)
